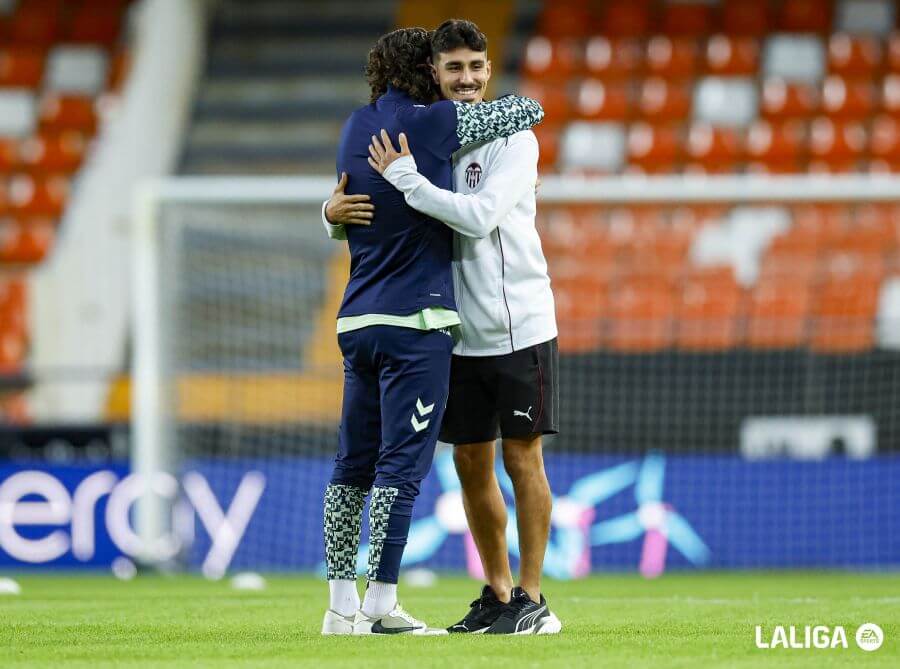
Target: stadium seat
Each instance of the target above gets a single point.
(607, 58)
(865, 17)
(653, 148)
(12, 353)
(94, 23)
(67, 112)
(888, 318)
(545, 58)
(9, 155)
(836, 143)
(775, 147)
(565, 19)
(794, 58)
(548, 143)
(552, 97)
(595, 146)
(76, 69)
(579, 306)
(713, 147)
(53, 152)
(777, 314)
(851, 56)
(30, 197)
(890, 95)
(843, 99)
(726, 101)
(708, 311)
(672, 58)
(828, 223)
(596, 101)
(17, 112)
(804, 16)
(625, 18)
(732, 56)
(892, 56)
(662, 102)
(640, 316)
(21, 67)
(36, 23)
(692, 19)
(12, 306)
(844, 315)
(745, 17)
(784, 100)
(848, 265)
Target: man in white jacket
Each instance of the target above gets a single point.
(504, 369)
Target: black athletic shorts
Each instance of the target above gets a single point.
(514, 395)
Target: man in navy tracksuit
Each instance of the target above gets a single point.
(394, 327)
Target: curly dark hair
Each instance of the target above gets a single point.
(401, 59)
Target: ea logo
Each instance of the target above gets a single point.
(473, 174)
(869, 637)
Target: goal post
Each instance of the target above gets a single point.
(730, 374)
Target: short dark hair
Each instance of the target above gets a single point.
(456, 34)
(400, 59)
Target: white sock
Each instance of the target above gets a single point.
(380, 598)
(344, 598)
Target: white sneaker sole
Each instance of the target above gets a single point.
(334, 624)
(548, 625)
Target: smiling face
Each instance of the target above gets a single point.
(462, 74)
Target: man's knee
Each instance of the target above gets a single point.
(522, 458)
(474, 462)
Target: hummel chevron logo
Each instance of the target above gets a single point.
(523, 414)
(423, 411)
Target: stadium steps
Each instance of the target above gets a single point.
(276, 89)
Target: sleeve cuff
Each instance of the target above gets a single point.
(398, 169)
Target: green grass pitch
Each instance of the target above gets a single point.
(680, 620)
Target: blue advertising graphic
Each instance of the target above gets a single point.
(647, 513)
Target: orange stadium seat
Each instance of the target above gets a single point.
(693, 19)
(36, 23)
(613, 58)
(714, 148)
(54, 152)
(745, 17)
(640, 316)
(843, 99)
(784, 100)
(548, 140)
(844, 315)
(708, 311)
(12, 353)
(844, 264)
(9, 155)
(791, 258)
(775, 147)
(660, 101)
(96, 23)
(892, 53)
(626, 18)
(777, 314)
(552, 97)
(30, 197)
(732, 56)
(672, 57)
(854, 56)
(597, 101)
(653, 148)
(810, 16)
(828, 223)
(21, 67)
(555, 59)
(12, 306)
(890, 95)
(67, 112)
(835, 145)
(579, 306)
(566, 19)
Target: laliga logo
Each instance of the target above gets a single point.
(869, 637)
(225, 527)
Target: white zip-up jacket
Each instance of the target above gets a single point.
(500, 275)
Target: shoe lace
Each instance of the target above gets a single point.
(515, 606)
(398, 611)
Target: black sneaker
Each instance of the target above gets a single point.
(524, 616)
(485, 610)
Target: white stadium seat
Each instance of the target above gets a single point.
(728, 101)
(73, 69)
(17, 112)
(799, 58)
(599, 146)
(874, 17)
